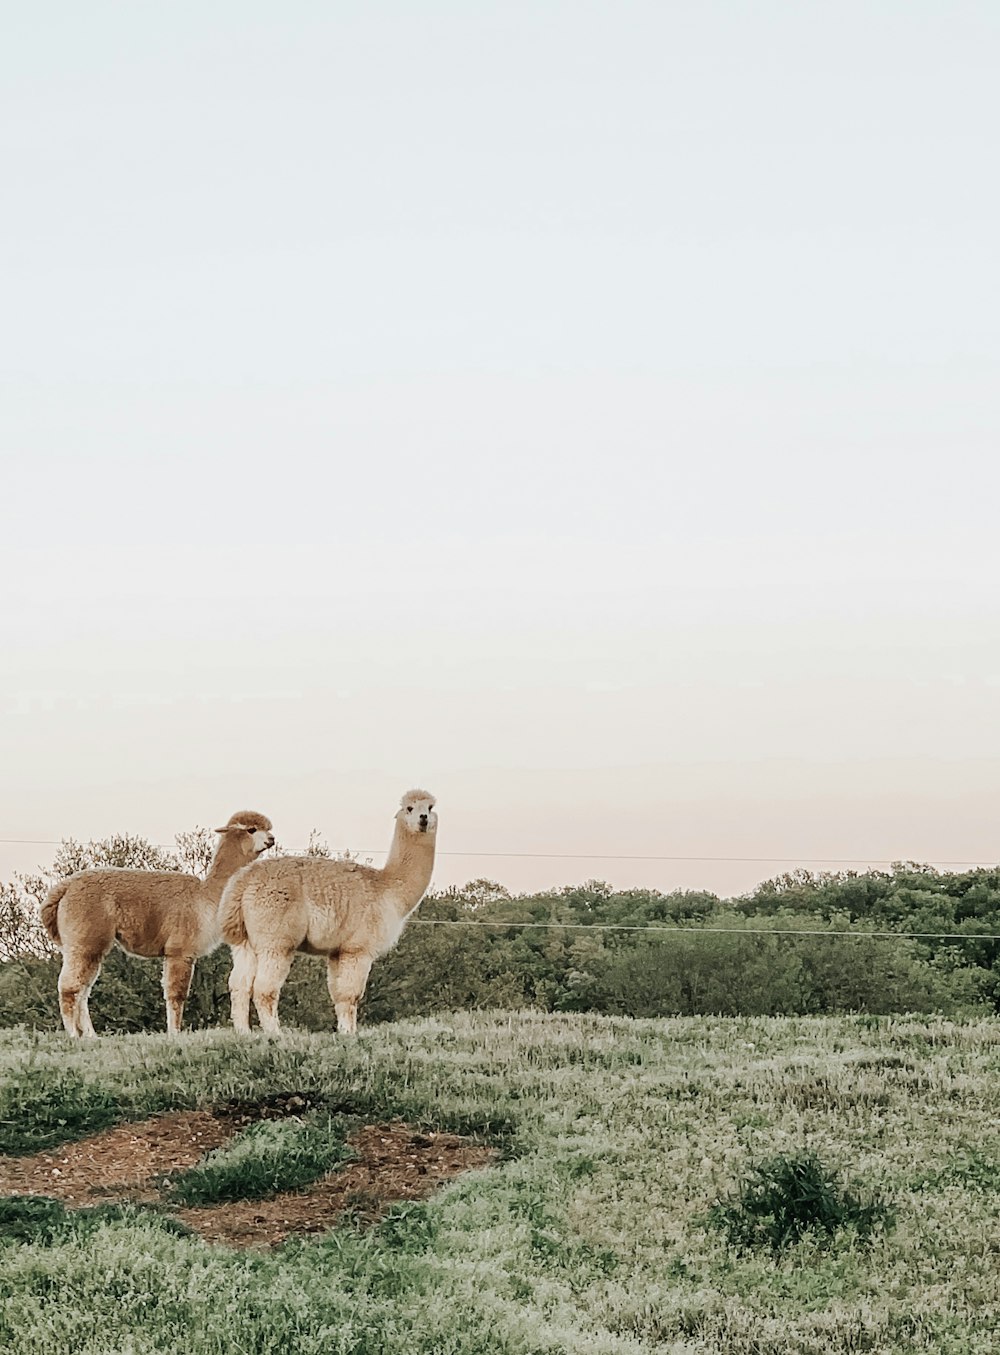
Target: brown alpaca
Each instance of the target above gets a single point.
(145, 912)
(350, 913)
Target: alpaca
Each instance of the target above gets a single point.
(350, 913)
(145, 912)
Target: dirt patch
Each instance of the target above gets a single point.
(392, 1163)
(118, 1163)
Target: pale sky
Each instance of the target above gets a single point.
(586, 410)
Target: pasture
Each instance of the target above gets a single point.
(597, 1148)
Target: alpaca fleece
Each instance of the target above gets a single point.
(145, 912)
(350, 913)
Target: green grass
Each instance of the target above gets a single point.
(42, 1104)
(590, 1234)
(36, 1218)
(265, 1158)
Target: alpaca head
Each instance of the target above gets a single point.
(250, 832)
(416, 812)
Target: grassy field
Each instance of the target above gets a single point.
(592, 1230)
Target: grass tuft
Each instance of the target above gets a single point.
(411, 1226)
(267, 1157)
(788, 1197)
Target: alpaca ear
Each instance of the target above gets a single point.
(224, 829)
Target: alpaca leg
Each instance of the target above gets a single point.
(241, 979)
(76, 978)
(346, 977)
(177, 971)
(83, 1012)
(272, 970)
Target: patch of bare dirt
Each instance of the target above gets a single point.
(392, 1163)
(117, 1162)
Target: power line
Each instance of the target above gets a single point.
(708, 931)
(772, 860)
(594, 856)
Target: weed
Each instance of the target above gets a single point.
(407, 1227)
(782, 1200)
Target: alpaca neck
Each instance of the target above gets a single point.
(408, 868)
(225, 863)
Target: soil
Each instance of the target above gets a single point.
(120, 1163)
(394, 1163)
(132, 1162)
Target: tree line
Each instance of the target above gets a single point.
(560, 950)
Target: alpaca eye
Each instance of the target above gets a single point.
(409, 809)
